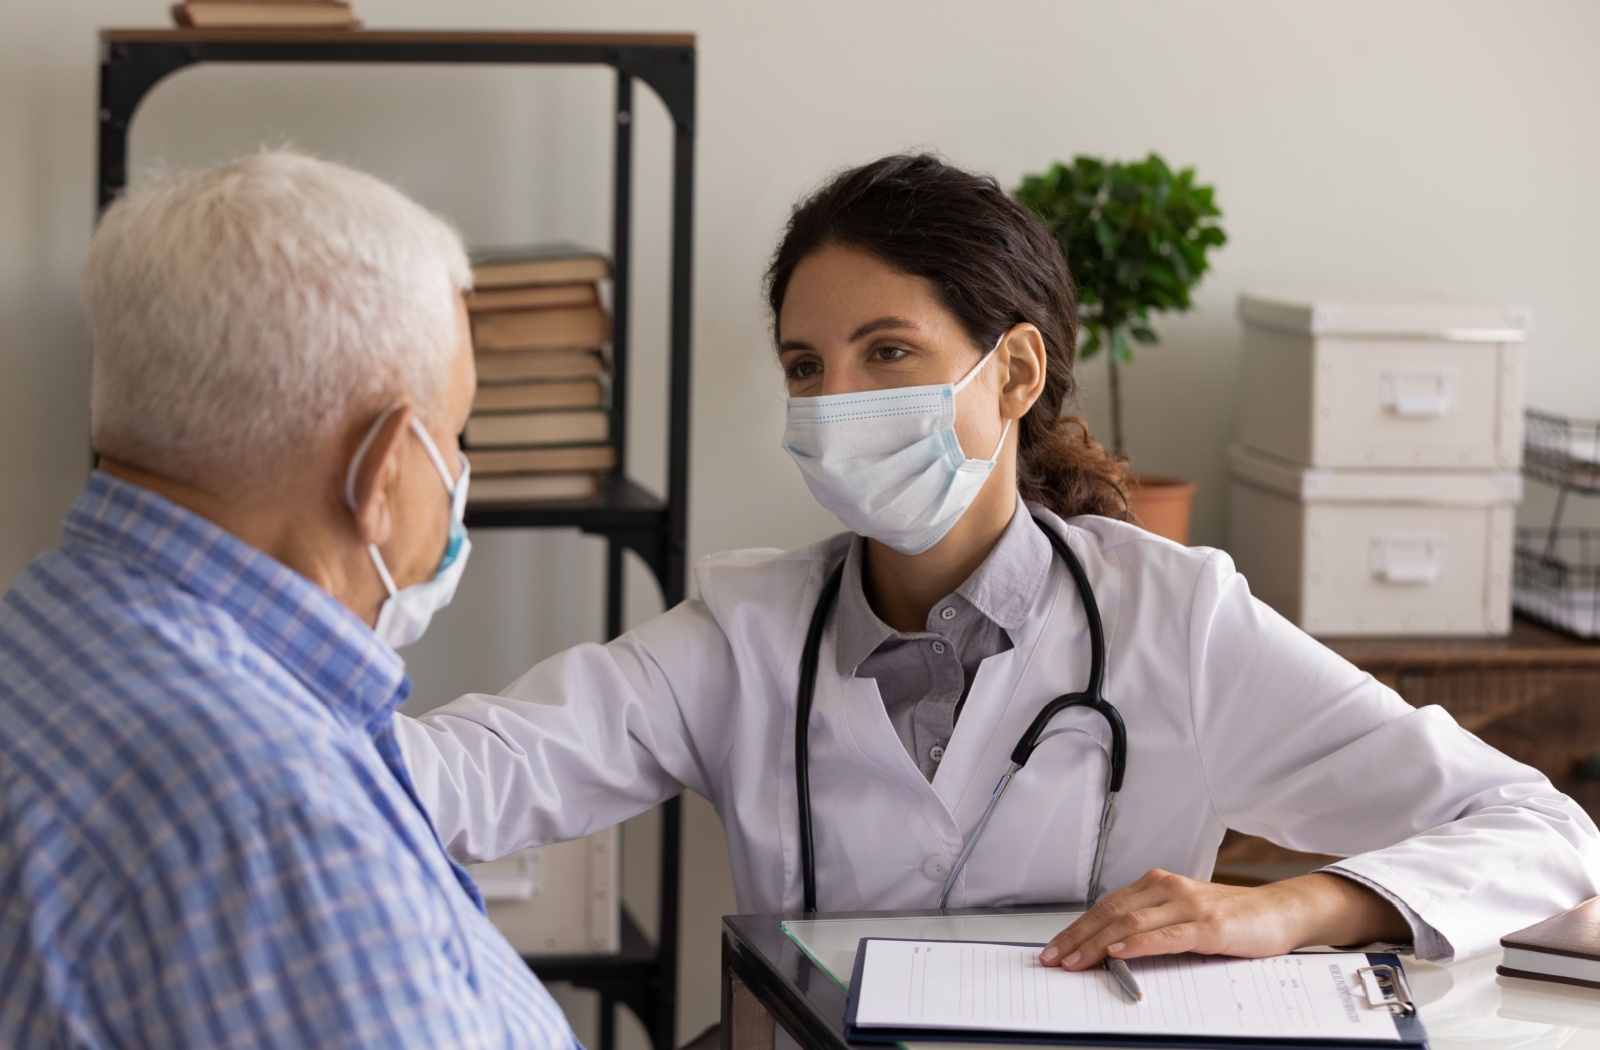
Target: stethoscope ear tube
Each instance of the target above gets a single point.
(1093, 695)
(802, 734)
(983, 822)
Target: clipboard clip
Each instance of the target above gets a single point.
(1391, 984)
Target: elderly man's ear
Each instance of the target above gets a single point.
(373, 486)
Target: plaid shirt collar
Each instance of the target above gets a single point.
(304, 628)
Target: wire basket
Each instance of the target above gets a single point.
(1557, 579)
(1561, 450)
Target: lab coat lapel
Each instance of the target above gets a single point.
(876, 819)
(872, 734)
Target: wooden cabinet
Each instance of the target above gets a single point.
(1534, 694)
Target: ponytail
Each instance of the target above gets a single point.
(1071, 473)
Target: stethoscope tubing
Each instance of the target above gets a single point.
(1092, 697)
(802, 736)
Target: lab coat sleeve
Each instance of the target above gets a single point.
(1304, 749)
(587, 738)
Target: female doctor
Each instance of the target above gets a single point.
(925, 327)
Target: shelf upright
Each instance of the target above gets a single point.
(643, 975)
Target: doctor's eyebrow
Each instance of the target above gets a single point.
(888, 323)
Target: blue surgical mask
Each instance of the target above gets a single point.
(887, 462)
(404, 616)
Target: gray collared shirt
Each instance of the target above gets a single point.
(924, 676)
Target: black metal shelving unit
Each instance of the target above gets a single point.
(643, 975)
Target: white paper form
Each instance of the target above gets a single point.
(832, 943)
(963, 985)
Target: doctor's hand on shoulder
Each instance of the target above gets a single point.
(1163, 913)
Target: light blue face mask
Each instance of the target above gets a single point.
(404, 616)
(887, 462)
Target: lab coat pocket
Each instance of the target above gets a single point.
(1039, 846)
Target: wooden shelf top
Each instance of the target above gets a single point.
(1528, 646)
(394, 36)
(619, 506)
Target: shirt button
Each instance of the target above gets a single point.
(938, 647)
(936, 868)
(936, 752)
(948, 612)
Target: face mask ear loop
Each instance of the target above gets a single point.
(383, 570)
(350, 490)
(433, 453)
(361, 453)
(1003, 432)
(961, 385)
(458, 491)
(968, 378)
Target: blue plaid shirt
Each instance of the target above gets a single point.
(207, 834)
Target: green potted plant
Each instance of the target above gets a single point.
(1136, 236)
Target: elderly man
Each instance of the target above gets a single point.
(207, 835)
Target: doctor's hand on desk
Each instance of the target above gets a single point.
(1163, 913)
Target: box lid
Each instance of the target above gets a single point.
(1436, 488)
(1441, 322)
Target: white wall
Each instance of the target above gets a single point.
(1446, 147)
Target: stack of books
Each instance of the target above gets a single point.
(261, 14)
(540, 428)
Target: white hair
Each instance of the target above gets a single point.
(242, 314)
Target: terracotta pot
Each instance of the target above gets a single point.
(1161, 505)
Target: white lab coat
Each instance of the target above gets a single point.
(1235, 719)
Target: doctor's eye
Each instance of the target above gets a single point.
(804, 368)
(889, 353)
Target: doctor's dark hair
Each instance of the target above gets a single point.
(993, 265)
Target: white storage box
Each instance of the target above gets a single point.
(1343, 552)
(1330, 384)
(562, 899)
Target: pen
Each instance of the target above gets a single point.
(1124, 976)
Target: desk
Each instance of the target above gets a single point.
(767, 979)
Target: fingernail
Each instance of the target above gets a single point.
(1050, 955)
(1069, 960)
(1117, 947)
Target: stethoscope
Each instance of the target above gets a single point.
(1034, 735)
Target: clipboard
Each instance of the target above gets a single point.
(1386, 975)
